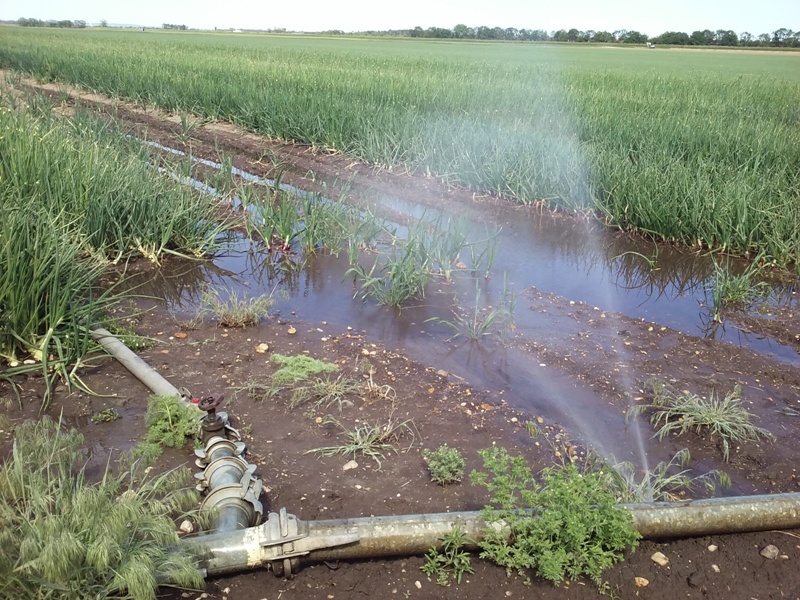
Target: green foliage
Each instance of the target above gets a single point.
(169, 423)
(297, 368)
(445, 464)
(453, 561)
(727, 289)
(64, 537)
(564, 527)
(712, 161)
(324, 392)
(679, 412)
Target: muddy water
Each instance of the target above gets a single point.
(572, 258)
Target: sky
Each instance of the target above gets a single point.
(651, 17)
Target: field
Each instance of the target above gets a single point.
(404, 240)
(702, 148)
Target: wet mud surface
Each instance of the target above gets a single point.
(573, 366)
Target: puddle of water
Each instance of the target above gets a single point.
(575, 259)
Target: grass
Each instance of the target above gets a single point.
(374, 440)
(298, 368)
(235, 312)
(483, 321)
(724, 418)
(325, 392)
(727, 289)
(697, 147)
(66, 537)
(445, 464)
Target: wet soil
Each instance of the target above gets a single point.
(576, 350)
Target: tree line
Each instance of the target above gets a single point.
(721, 37)
(65, 23)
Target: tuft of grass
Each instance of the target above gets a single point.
(235, 312)
(453, 561)
(65, 537)
(298, 368)
(667, 481)
(374, 440)
(726, 418)
(324, 392)
(726, 289)
(445, 464)
(169, 423)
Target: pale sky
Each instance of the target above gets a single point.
(651, 17)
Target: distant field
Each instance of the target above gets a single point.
(702, 147)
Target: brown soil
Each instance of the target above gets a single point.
(591, 348)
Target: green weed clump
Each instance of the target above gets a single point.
(235, 312)
(169, 424)
(66, 537)
(564, 526)
(445, 464)
(453, 561)
(724, 418)
(297, 368)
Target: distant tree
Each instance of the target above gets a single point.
(702, 38)
(561, 36)
(780, 36)
(417, 32)
(602, 37)
(634, 37)
(103, 23)
(80, 24)
(764, 39)
(673, 38)
(572, 35)
(461, 31)
(726, 37)
(510, 33)
(483, 32)
(538, 35)
(745, 38)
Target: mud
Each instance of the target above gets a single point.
(574, 368)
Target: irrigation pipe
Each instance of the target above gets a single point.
(283, 539)
(140, 369)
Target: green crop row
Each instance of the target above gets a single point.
(702, 148)
(76, 195)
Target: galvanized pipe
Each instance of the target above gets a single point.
(140, 369)
(287, 538)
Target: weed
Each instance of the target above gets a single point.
(63, 537)
(298, 368)
(261, 392)
(445, 464)
(372, 440)
(169, 422)
(681, 412)
(484, 321)
(235, 312)
(726, 289)
(325, 392)
(453, 561)
(662, 483)
(106, 415)
(564, 527)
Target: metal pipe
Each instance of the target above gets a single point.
(140, 369)
(283, 539)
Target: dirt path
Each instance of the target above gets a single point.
(608, 353)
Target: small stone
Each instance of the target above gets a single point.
(262, 348)
(514, 419)
(185, 595)
(349, 465)
(181, 335)
(641, 581)
(715, 568)
(28, 361)
(227, 590)
(660, 559)
(291, 330)
(770, 552)
(442, 373)
(539, 420)
(186, 526)
(713, 548)
(418, 584)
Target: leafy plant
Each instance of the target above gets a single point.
(484, 321)
(445, 464)
(677, 413)
(297, 368)
(169, 422)
(64, 537)
(727, 289)
(564, 527)
(368, 439)
(453, 561)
